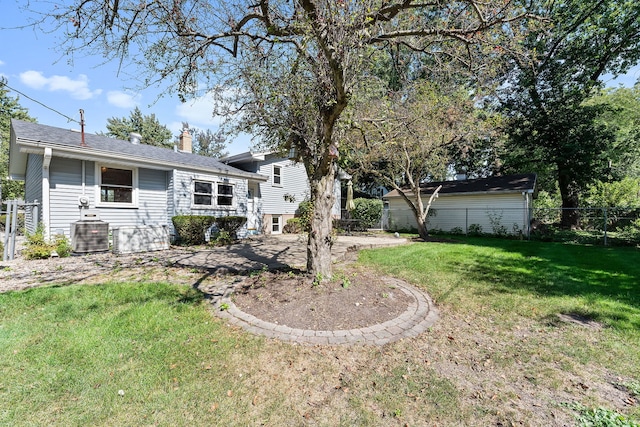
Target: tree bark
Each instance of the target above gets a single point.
(320, 239)
(421, 217)
(570, 218)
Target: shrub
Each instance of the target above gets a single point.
(457, 231)
(304, 214)
(495, 218)
(231, 224)
(475, 230)
(293, 226)
(36, 247)
(222, 238)
(367, 211)
(62, 245)
(191, 228)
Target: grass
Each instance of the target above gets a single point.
(153, 353)
(529, 278)
(118, 354)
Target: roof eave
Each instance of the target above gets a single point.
(92, 154)
(466, 193)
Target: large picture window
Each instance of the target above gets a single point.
(205, 193)
(117, 185)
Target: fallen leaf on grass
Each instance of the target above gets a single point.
(213, 407)
(229, 393)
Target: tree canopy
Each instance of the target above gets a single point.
(148, 126)
(10, 108)
(622, 115)
(553, 129)
(206, 142)
(405, 138)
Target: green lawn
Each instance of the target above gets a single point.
(528, 278)
(153, 353)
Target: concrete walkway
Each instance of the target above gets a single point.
(278, 251)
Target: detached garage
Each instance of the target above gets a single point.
(496, 205)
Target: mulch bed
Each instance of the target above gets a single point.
(353, 300)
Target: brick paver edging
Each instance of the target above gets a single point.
(419, 316)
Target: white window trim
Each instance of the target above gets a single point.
(273, 175)
(193, 194)
(214, 194)
(98, 185)
(279, 218)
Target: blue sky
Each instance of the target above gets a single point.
(32, 65)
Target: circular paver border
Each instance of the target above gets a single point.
(416, 319)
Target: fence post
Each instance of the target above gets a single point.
(466, 221)
(7, 229)
(604, 210)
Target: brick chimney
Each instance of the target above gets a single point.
(186, 139)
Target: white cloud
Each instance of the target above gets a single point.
(1, 62)
(122, 99)
(78, 88)
(199, 112)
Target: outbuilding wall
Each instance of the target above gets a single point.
(495, 213)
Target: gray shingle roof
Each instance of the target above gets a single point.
(96, 145)
(506, 183)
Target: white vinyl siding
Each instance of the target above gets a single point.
(294, 183)
(507, 210)
(116, 186)
(183, 201)
(33, 181)
(66, 186)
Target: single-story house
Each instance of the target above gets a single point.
(76, 176)
(276, 199)
(497, 205)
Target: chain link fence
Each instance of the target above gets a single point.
(601, 226)
(17, 218)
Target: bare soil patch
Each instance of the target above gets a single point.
(351, 301)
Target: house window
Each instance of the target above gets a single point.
(204, 195)
(277, 176)
(117, 185)
(275, 224)
(225, 195)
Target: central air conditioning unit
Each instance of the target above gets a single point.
(89, 236)
(143, 238)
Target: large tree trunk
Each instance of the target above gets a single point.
(320, 240)
(420, 215)
(570, 197)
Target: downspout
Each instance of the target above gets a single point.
(84, 177)
(46, 211)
